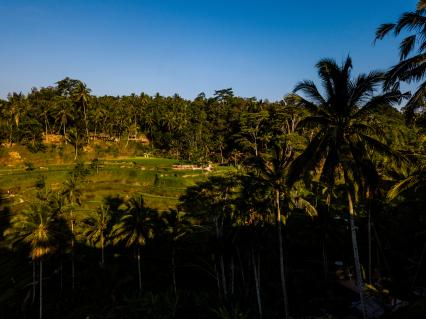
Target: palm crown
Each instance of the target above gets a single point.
(344, 136)
(34, 227)
(412, 51)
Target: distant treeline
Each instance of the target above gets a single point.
(222, 128)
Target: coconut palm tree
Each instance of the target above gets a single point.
(64, 114)
(135, 227)
(412, 54)
(97, 228)
(81, 96)
(341, 148)
(71, 191)
(272, 171)
(178, 225)
(35, 227)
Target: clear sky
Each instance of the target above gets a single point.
(259, 48)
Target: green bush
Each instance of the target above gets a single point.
(29, 166)
(40, 182)
(37, 147)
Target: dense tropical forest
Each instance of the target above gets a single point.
(226, 207)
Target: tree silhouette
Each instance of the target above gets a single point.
(412, 55)
(340, 150)
(35, 227)
(97, 228)
(135, 227)
(272, 171)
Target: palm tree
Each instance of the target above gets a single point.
(81, 96)
(97, 228)
(412, 54)
(178, 226)
(272, 171)
(340, 149)
(74, 140)
(34, 227)
(72, 193)
(135, 227)
(64, 114)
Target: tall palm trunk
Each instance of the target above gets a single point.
(34, 281)
(281, 251)
(369, 249)
(41, 290)
(72, 253)
(65, 134)
(360, 282)
(174, 269)
(61, 276)
(324, 256)
(76, 152)
(256, 271)
(85, 122)
(102, 251)
(422, 255)
(139, 270)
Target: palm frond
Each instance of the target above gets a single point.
(421, 5)
(364, 86)
(314, 121)
(410, 21)
(375, 102)
(363, 128)
(407, 46)
(309, 89)
(308, 160)
(403, 69)
(381, 148)
(383, 30)
(412, 182)
(416, 102)
(306, 206)
(329, 72)
(307, 104)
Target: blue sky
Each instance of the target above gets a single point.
(259, 48)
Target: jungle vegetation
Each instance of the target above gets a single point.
(325, 186)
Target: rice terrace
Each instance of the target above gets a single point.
(221, 159)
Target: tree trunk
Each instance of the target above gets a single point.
(256, 272)
(324, 257)
(369, 248)
(76, 152)
(419, 266)
(241, 267)
(65, 135)
(174, 270)
(281, 251)
(139, 271)
(219, 289)
(72, 254)
(34, 281)
(61, 276)
(102, 250)
(222, 267)
(359, 280)
(41, 290)
(85, 122)
(232, 275)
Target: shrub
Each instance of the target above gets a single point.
(37, 147)
(40, 182)
(29, 166)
